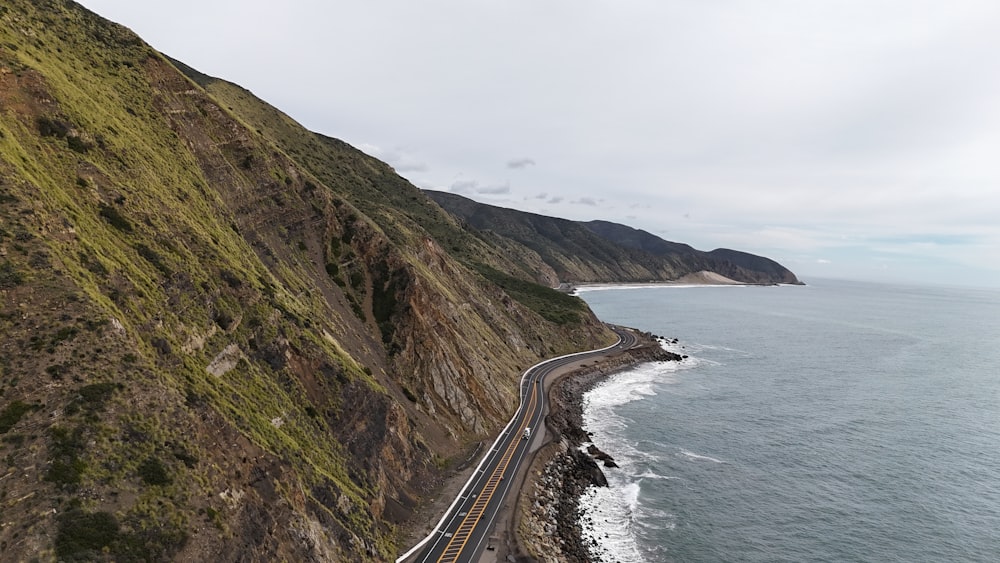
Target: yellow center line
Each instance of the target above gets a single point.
(464, 531)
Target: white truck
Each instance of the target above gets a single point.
(527, 432)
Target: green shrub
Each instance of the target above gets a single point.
(48, 127)
(552, 305)
(63, 334)
(231, 279)
(154, 258)
(67, 467)
(66, 471)
(9, 276)
(94, 396)
(83, 536)
(112, 216)
(56, 371)
(93, 265)
(357, 280)
(77, 144)
(153, 472)
(187, 458)
(161, 345)
(12, 413)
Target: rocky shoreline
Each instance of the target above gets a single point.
(549, 512)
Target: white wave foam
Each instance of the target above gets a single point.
(700, 347)
(654, 476)
(626, 387)
(654, 519)
(697, 457)
(613, 516)
(609, 516)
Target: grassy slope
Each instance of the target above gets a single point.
(405, 211)
(144, 234)
(576, 253)
(118, 256)
(599, 251)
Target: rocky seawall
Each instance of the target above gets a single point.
(549, 514)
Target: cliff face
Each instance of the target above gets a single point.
(228, 342)
(600, 251)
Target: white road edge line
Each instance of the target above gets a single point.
(479, 467)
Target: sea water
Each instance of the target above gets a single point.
(837, 421)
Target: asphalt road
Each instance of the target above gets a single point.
(462, 533)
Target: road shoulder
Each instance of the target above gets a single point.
(517, 532)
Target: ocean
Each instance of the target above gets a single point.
(837, 421)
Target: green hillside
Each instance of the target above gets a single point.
(221, 337)
(605, 252)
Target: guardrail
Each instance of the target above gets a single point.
(506, 428)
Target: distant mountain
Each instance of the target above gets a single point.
(638, 239)
(601, 251)
(733, 264)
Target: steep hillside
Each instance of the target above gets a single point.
(215, 344)
(634, 238)
(377, 190)
(752, 262)
(600, 251)
(732, 264)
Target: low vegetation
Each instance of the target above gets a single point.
(207, 325)
(553, 305)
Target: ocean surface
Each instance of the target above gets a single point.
(838, 421)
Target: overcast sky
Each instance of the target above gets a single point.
(851, 138)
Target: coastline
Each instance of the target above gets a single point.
(547, 514)
(696, 279)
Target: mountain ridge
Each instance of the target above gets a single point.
(607, 252)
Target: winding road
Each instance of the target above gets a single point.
(461, 533)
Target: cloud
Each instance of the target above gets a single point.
(496, 189)
(520, 163)
(473, 187)
(555, 199)
(409, 167)
(542, 195)
(586, 201)
(822, 261)
(398, 159)
(463, 186)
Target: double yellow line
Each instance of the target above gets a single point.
(453, 550)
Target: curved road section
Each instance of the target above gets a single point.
(460, 534)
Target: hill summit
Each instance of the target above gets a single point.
(605, 252)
